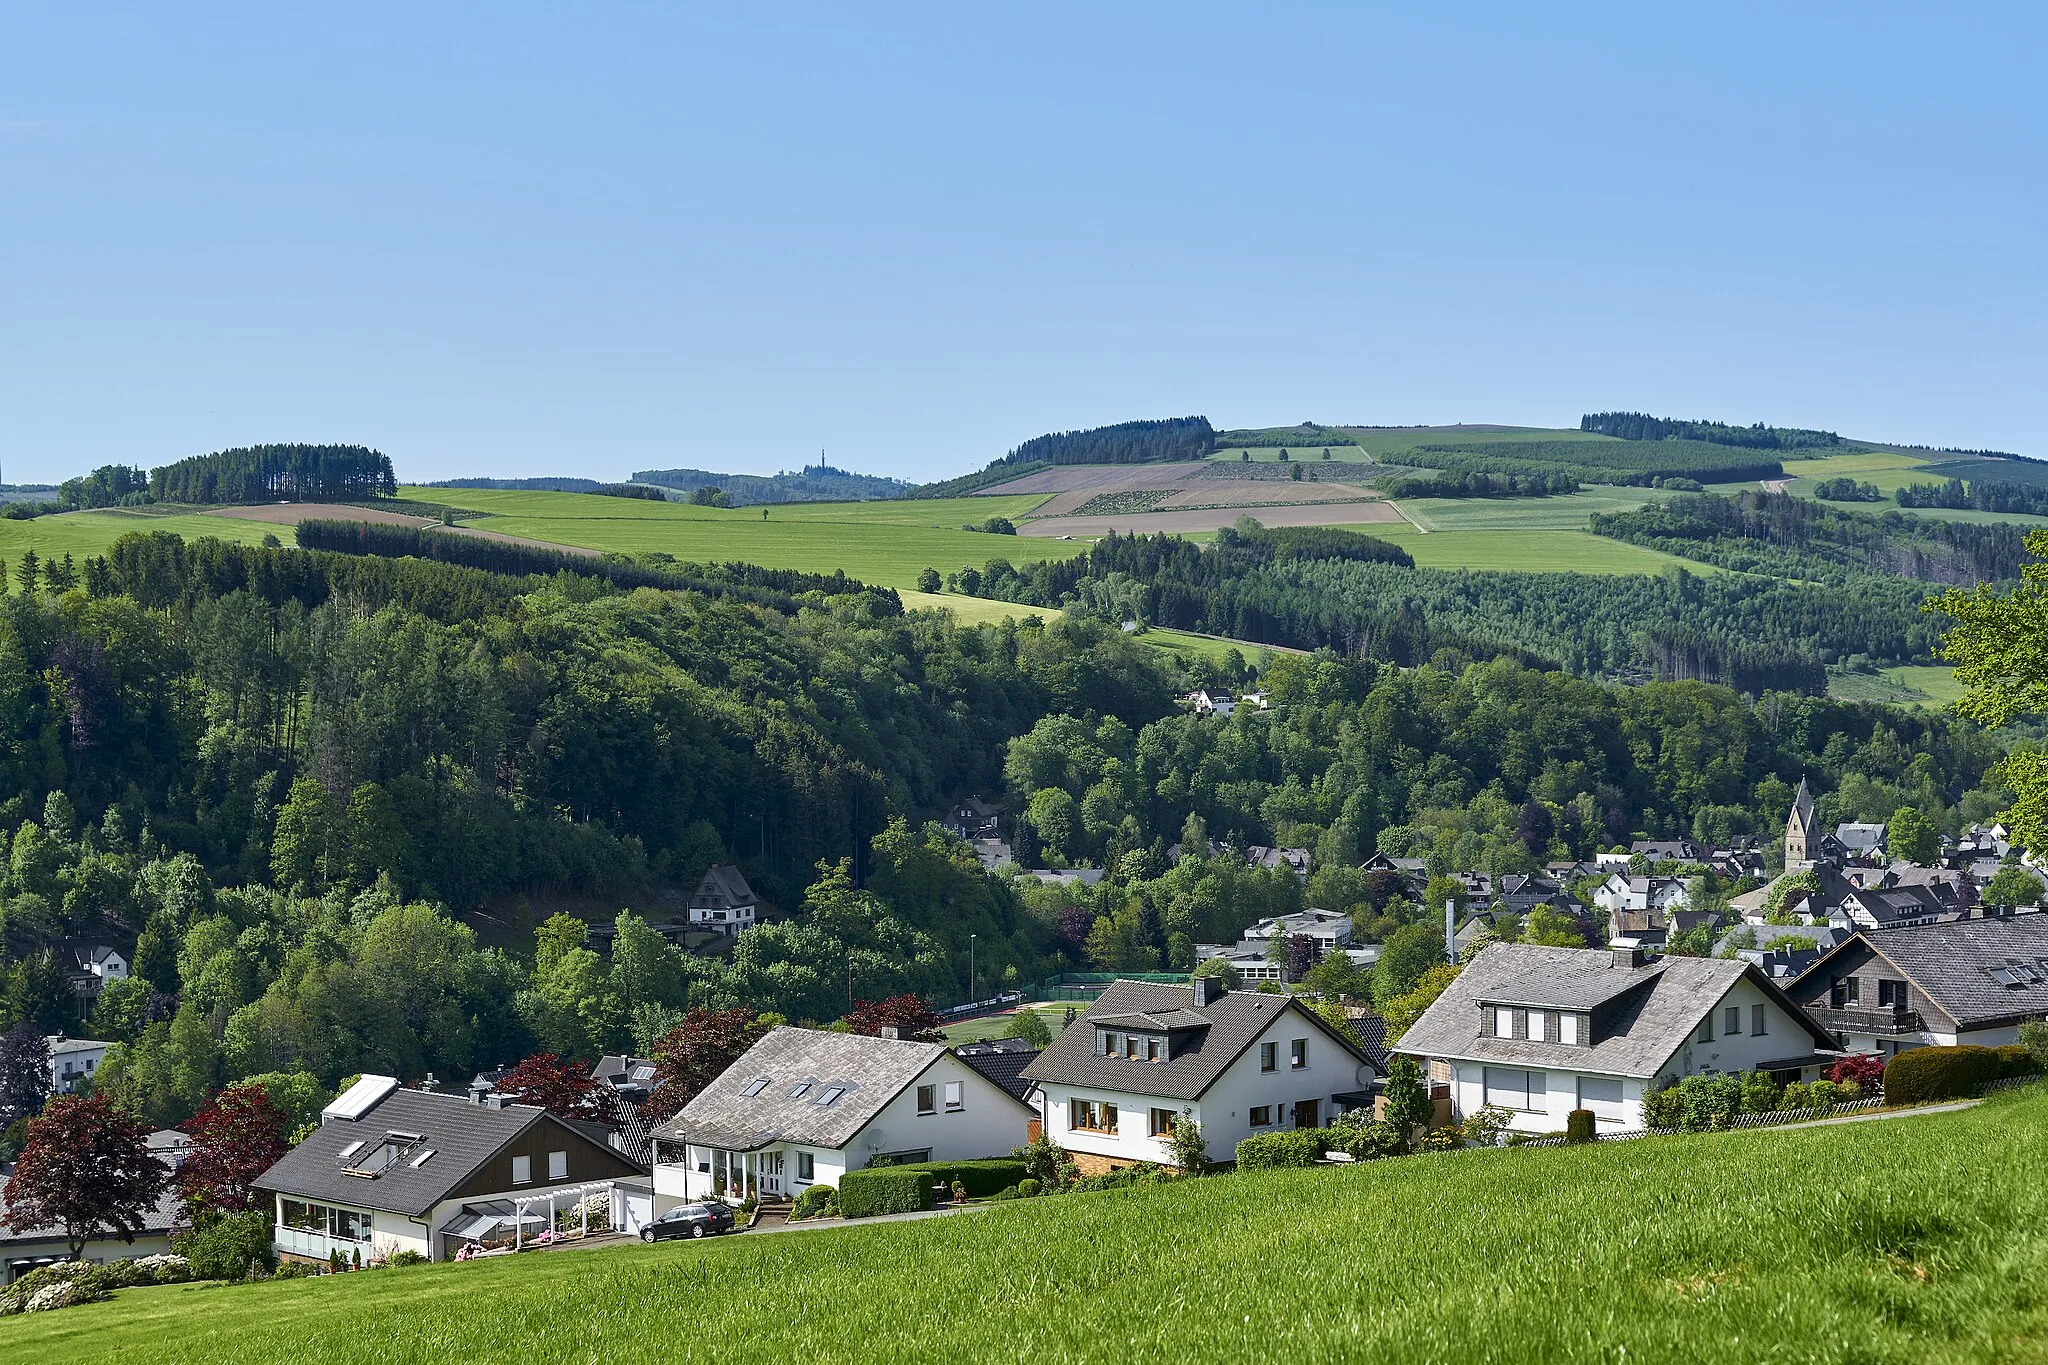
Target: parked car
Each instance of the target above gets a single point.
(690, 1220)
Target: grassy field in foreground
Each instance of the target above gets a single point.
(1913, 1239)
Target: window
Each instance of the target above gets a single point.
(1512, 1089)
(522, 1170)
(422, 1158)
(806, 1166)
(1568, 1028)
(1130, 1045)
(1269, 1056)
(352, 1148)
(1091, 1116)
(927, 1099)
(1731, 1020)
(831, 1095)
(954, 1102)
(1503, 1023)
(703, 1160)
(349, 1225)
(558, 1165)
(1891, 994)
(1159, 1122)
(1756, 1019)
(1855, 985)
(755, 1086)
(1601, 1094)
(798, 1092)
(1308, 1114)
(1153, 1049)
(1262, 1116)
(1108, 1041)
(1297, 1054)
(1538, 1029)
(1706, 1033)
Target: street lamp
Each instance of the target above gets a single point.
(970, 967)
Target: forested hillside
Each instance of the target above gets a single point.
(1171, 438)
(1640, 426)
(1754, 633)
(1774, 533)
(1624, 462)
(274, 473)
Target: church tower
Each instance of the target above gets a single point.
(1800, 835)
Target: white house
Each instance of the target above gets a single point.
(1234, 1062)
(1543, 1031)
(73, 1061)
(391, 1170)
(91, 963)
(1211, 701)
(722, 900)
(804, 1107)
(1327, 929)
(1623, 892)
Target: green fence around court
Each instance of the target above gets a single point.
(1085, 986)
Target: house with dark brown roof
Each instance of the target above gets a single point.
(1235, 1062)
(722, 900)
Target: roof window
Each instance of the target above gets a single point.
(831, 1095)
(755, 1086)
(798, 1091)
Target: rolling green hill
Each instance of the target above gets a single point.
(1911, 1239)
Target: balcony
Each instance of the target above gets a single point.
(1888, 1022)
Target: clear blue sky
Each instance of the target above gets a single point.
(524, 239)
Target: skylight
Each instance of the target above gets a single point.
(422, 1158)
(798, 1092)
(755, 1087)
(831, 1095)
(352, 1148)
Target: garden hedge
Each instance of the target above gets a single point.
(1939, 1073)
(982, 1178)
(1296, 1147)
(884, 1189)
(1579, 1126)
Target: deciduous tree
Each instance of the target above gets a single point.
(912, 1018)
(563, 1088)
(236, 1138)
(695, 1054)
(87, 1169)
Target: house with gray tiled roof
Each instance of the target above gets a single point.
(722, 900)
(391, 1169)
(1237, 1063)
(805, 1106)
(1542, 1031)
(1961, 981)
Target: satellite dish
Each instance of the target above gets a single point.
(1366, 1075)
(875, 1139)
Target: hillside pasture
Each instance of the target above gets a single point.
(1917, 1238)
(1887, 469)
(80, 534)
(1312, 453)
(1529, 551)
(1373, 511)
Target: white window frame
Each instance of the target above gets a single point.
(1503, 1022)
(1568, 1028)
(953, 1097)
(522, 1170)
(927, 1100)
(558, 1165)
(1759, 1019)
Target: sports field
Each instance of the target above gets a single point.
(1920, 1238)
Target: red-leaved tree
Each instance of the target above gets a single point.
(562, 1088)
(235, 1139)
(696, 1052)
(1865, 1069)
(86, 1168)
(909, 1016)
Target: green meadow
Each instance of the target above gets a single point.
(90, 533)
(1528, 551)
(1906, 685)
(1909, 1239)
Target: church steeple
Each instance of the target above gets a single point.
(1799, 830)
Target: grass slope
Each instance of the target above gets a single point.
(1911, 1239)
(90, 533)
(1529, 551)
(1932, 685)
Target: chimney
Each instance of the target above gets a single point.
(494, 1100)
(889, 1031)
(1207, 990)
(1627, 958)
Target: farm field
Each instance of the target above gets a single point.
(1211, 519)
(969, 611)
(1932, 685)
(1908, 1239)
(90, 533)
(1887, 469)
(1311, 453)
(1529, 551)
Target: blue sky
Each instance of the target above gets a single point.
(523, 239)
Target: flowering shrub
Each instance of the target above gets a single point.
(1866, 1069)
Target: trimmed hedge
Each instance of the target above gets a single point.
(1269, 1151)
(1579, 1126)
(1939, 1073)
(982, 1178)
(884, 1189)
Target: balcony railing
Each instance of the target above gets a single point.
(1865, 1021)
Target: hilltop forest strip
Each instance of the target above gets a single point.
(1623, 462)
(1640, 426)
(277, 473)
(1784, 536)
(1752, 633)
(1147, 442)
(816, 483)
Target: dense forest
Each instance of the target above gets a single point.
(292, 777)
(1753, 633)
(1778, 534)
(1982, 495)
(1448, 484)
(1170, 438)
(276, 473)
(814, 483)
(111, 485)
(1643, 463)
(1640, 426)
